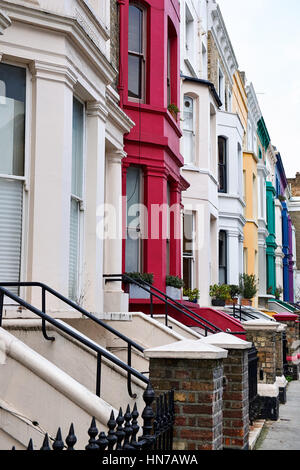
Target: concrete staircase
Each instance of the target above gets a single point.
(53, 383)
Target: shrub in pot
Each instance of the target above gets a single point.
(278, 292)
(219, 294)
(137, 292)
(173, 287)
(248, 287)
(193, 295)
(234, 292)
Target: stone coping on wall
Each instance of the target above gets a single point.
(188, 349)
(268, 390)
(227, 341)
(261, 325)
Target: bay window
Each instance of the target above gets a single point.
(12, 173)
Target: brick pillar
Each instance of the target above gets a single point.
(194, 370)
(236, 390)
(263, 334)
(292, 335)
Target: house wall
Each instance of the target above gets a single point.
(65, 49)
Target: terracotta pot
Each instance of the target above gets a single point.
(232, 302)
(246, 302)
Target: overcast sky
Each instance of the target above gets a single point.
(265, 35)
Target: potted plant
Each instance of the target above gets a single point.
(172, 108)
(192, 295)
(219, 294)
(234, 292)
(137, 292)
(248, 287)
(173, 287)
(278, 292)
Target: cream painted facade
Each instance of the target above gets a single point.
(64, 48)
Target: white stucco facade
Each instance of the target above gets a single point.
(64, 47)
(231, 202)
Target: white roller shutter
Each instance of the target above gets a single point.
(11, 203)
(74, 250)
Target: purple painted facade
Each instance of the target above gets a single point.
(291, 262)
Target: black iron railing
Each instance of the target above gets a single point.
(239, 313)
(101, 352)
(169, 303)
(123, 431)
(254, 401)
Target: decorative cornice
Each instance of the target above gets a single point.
(75, 25)
(222, 39)
(5, 21)
(98, 109)
(58, 73)
(253, 104)
(116, 156)
(116, 114)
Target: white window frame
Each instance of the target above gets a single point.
(25, 178)
(82, 205)
(193, 162)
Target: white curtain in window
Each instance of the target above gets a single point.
(11, 203)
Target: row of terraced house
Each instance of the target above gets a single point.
(149, 236)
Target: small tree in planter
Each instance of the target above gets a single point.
(135, 291)
(248, 288)
(193, 295)
(219, 294)
(173, 287)
(234, 292)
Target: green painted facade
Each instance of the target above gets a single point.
(271, 240)
(263, 133)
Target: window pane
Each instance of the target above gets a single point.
(77, 149)
(222, 151)
(187, 273)
(12, 119)
(188, 234)
(188, 115)
(134, 76)
(135, 29)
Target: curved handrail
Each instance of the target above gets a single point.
(91, 345)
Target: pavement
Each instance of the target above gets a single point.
(284, 434)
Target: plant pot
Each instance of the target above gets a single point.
(231, 302)
(218, 302)
(173, 292)
(136, 292)
(246, 302)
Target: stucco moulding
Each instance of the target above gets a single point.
(5, 22)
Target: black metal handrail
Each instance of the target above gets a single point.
(91, 345)
(169, 302)
(242, 312)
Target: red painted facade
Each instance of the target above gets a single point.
(153, 143)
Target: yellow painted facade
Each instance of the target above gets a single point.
(240, 106)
